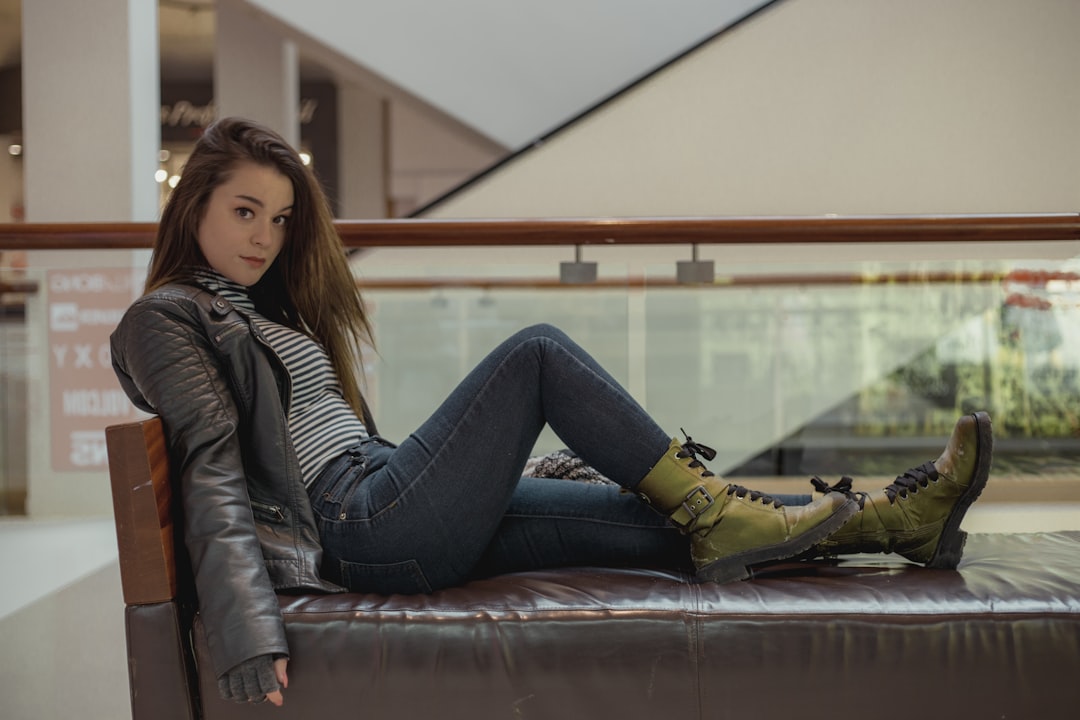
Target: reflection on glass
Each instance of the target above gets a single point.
(861, 374)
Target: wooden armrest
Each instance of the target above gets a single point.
(142, 504)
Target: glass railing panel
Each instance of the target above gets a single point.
(428, 339)
(787, 368)
(59, 390)
(860, 368)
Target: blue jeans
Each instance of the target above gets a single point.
(449, 503)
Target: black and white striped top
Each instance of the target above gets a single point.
(322, 425)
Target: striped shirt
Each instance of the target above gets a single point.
(322, 425)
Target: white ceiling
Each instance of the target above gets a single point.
(510, 70)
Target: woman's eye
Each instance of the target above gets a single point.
(281, 220)
(245, 212)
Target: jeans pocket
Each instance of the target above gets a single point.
(405, 577)
(330, 493)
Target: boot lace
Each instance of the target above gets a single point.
(691, 449)
(911, 481)
(742, 492)
(842, 486)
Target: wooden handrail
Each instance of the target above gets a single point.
(601, 231)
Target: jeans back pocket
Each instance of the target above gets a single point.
(405, 577)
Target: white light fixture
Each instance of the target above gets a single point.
(164, 155)
(14, 150)
(161, 176)
(173, 180)
(305, 158)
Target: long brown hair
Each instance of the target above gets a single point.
(309, 287)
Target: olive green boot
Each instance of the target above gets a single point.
(918, 515)
(731, 528)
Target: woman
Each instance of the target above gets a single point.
(245, 343)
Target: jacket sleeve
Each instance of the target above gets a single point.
(164, 357)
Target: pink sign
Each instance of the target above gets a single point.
(84, 308)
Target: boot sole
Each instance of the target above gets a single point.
(951, 546)
(738, 566)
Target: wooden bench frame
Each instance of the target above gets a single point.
(161, 664)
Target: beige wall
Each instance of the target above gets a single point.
(429, 157)
(829, 106)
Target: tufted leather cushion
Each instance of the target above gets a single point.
(868, 636)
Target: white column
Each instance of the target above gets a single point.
(256, 71)
(91, 128)
(91, 110)
(363, 146)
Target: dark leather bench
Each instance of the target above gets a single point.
(867, 637)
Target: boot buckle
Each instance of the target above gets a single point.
(697, 502)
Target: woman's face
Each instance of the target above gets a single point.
(243, 228)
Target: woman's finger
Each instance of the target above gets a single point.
(279, 670)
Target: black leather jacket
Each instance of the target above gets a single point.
(192, 358)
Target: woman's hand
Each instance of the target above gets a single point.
(283, 679)
(257, 679)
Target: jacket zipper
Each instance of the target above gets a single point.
(273, 511)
